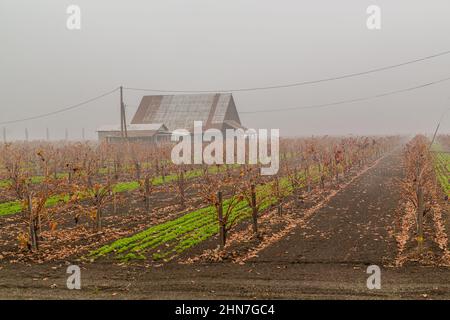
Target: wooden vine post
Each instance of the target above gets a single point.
(222, 227)
(33, 225)
(114, 202)
(98, 219)
(254, 210)
(147, 193)
(182, 189)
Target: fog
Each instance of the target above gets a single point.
(222, 45)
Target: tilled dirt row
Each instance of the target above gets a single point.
(353, 227)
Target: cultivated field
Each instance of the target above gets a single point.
(141, 227)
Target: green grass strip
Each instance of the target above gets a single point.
(184, 232)
(13, 207)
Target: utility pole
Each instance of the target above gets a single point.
(123, 120)
(437, 128)
(82, 134)
(67, 134)
(47, 134)
(26, 134)
(121, 112)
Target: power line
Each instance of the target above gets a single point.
(333, 103)
(60, 110)
(314, 106)
(243, 112)
(263, 88)
(296, 84)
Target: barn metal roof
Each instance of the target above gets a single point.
(181, 110)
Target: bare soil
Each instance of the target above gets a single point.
(76, 237)
(326, 257)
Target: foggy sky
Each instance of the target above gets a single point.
(208, 45)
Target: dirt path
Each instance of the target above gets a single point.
(326, 258)
(353, 227)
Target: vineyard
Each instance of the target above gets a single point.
(129, 205)
(442, 162)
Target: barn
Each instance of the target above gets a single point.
(154, 132)
(158, 115)
(216, 110)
